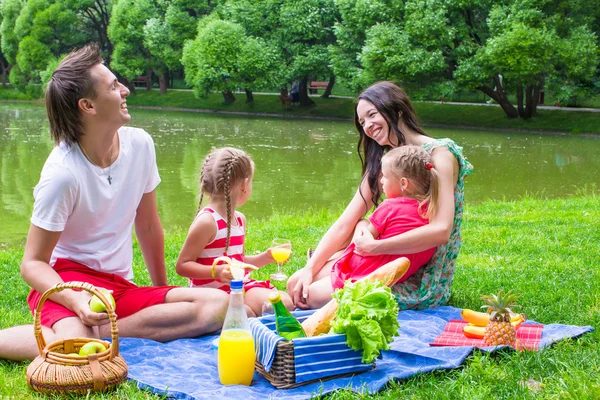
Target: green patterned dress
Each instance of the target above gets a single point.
(430, 286)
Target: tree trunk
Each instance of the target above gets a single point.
(249, 96)
(149, 81)
(528, 101)
(329, 87)
(520, 101)
(162, 82)
(5, 69)
(303, 94)
(228, 97)
(536, 95)
(501, 99)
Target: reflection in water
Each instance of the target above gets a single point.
(300, 164)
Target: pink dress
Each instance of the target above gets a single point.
(391, 218)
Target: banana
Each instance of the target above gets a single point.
(474, 317)
(482, 319)
(519, 319)
(474, 332)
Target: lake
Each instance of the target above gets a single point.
(300, 164)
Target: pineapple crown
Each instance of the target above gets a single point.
(500, 306)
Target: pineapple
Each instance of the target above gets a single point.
(499, 330)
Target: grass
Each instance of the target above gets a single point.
(546, 250)
(574, 122)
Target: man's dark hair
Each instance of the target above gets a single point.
(70, 82)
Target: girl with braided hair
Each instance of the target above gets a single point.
(410, 184)
(219, 230)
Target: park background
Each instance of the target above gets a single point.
(478, 71)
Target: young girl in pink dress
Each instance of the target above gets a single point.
(219, 230)
(410, 184)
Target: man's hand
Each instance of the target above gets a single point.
(300, 291)
(81, 307)
(365, 244)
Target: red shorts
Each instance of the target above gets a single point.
(129, 298)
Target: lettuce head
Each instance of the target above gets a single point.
(368, 315)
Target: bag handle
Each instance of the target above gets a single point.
(88, 287)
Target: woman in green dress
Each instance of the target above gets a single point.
(385, 118)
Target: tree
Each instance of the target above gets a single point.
(126, 30)
(166, 33)
(299, 30)
(222, 57)
(497, 48)
(37, 32)
(523, 50)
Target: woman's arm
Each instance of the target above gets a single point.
(335, 239)
(201, 233)
(438, 230)
(339, 234)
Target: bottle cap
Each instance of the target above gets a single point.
(274, 296)
(237, 284)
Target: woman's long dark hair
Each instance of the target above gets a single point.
(392, 103)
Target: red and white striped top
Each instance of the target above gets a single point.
(216, 248)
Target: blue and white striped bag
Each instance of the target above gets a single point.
(316, 357)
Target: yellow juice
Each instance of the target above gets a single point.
(236, 357)
(280, 254)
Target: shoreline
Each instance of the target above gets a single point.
(344, 119)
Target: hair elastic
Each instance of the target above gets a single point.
(429, 166)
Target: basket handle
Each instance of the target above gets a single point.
(88, 287)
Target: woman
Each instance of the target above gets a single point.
(385, 119)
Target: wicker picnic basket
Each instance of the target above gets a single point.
(283, 370)
(55, 370)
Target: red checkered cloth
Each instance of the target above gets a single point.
(528, 336)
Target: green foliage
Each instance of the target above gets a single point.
(222, 57)
(10, 10)
(126, 30)
(166, 33)
(210, 60)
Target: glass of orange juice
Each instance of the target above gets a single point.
(281, 249)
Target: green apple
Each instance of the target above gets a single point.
(96, 305)
(91, 348)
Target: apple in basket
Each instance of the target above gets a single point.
(91, 348)
(96, 305)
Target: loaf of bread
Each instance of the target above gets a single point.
(388, 274)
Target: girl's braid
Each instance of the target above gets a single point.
(228, 169)
(203, 176)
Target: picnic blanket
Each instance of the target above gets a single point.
(187, 368)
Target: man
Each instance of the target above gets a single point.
(98, 181)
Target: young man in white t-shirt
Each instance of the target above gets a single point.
(99, 180)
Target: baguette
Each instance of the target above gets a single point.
(388, 274)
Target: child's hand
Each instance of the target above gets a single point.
(225, 274)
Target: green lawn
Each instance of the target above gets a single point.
(546, 250)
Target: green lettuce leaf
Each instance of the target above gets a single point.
(368, 315)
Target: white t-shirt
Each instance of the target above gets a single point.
(95, 217)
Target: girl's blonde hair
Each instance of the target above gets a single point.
(222, 169)
(414, 164)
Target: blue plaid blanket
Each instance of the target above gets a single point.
(187, 368)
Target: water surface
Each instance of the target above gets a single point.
(300, 164)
